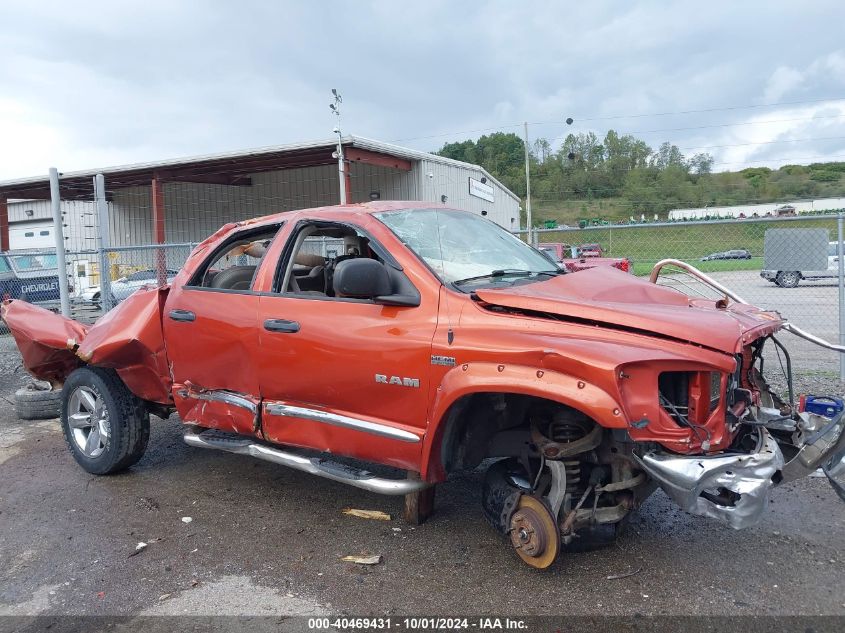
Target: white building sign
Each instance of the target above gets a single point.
(481, 190)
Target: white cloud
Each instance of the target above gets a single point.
(783, 81)
(96, 83)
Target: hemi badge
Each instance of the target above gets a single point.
(447, 361)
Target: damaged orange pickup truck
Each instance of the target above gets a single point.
(427, 340)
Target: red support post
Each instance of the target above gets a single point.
(4, 224)
(157, 194)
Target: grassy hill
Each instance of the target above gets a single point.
(645, 244)
(615, 177)
(570, 211)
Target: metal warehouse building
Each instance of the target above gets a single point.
(185, 200)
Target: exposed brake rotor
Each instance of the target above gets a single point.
(534, 532)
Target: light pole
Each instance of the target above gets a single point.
(569, 121)
(341, 166)
(528, 190)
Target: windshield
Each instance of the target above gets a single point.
(33, 262)
(460, 246)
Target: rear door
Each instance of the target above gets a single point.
(211, 330)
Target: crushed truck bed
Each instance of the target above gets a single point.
(128, 339)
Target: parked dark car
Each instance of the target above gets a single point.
(31, 276)
(734, 254)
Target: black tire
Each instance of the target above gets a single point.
(126, 418)
(32, 403)
(788, 279)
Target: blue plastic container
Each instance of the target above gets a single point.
(824, 405)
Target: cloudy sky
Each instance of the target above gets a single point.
(87, 84)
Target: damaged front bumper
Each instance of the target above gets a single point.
(733, 488)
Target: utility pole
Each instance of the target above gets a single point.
(528, 189)
(840, 257)
(341, 165)
(103, 241)
(58, 232)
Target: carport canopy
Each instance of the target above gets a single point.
(231, 169)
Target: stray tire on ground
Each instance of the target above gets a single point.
(37, 402)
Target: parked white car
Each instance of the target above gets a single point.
(125, 286)
(791, 278)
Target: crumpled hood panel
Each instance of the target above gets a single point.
(128, 339)
(610, 296)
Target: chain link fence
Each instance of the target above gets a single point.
(790, 265)
(104, 278)
(98, 280)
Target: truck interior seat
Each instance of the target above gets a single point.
(234, 278)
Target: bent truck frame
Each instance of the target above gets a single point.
(434, 342)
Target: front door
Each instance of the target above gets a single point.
(343, 375)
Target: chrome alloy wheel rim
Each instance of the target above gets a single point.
(88, 419)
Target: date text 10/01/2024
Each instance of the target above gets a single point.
(422, 623)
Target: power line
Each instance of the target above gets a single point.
(734, 203)
(638, 116)
(485, 129)
(715, 125)
(631, 133)
(791, 140)
(704, 110)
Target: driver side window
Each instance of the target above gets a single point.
(308, 269)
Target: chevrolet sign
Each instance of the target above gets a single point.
(42, 286)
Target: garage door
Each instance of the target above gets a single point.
(27, 235)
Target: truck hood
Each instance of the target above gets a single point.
(607, 296)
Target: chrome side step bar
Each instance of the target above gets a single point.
(319, 466)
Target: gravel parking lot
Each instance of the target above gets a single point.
(265, 540)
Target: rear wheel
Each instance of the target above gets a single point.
(788, 279)
(106, 427)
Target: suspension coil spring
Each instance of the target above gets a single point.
(573, 476)
(564, 430)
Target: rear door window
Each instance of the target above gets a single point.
(233, 265)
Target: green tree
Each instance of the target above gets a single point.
(668, 155)
(700, 164)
